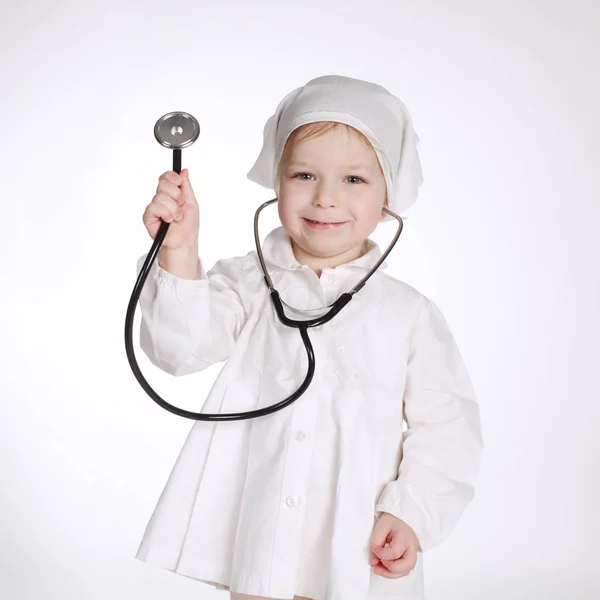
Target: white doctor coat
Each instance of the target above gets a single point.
(285, 505)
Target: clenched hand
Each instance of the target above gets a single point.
(394, 546)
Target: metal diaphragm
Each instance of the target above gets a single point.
(176, 130)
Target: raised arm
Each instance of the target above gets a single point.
(190, 324)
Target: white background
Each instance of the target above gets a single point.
(504, 96)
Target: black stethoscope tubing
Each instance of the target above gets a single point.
(302, 326)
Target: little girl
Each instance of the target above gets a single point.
(331, 498)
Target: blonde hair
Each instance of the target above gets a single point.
(311, 130)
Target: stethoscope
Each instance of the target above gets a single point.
(179, 130)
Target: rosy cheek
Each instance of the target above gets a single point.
(281, 209)
(284, 215)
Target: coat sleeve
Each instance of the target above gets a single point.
(189, 324)
(442, 446)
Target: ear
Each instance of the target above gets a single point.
(385, 204)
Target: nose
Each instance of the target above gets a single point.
(325, 196)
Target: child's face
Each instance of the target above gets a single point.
(334, 177)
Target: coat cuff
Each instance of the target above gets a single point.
(405, 508)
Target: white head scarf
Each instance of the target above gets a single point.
(371, 109)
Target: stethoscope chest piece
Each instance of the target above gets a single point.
(176, 130)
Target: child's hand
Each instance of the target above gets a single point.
(174, 203)
(400, 557)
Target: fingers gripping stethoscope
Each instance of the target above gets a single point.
(178, 130)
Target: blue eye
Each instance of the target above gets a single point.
(302, 179)
(355, 177)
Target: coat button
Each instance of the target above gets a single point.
(292, 501)
(299, 436)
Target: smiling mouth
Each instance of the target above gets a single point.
(324, 222)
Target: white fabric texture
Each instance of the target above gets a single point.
(366, 106)
(285, 505)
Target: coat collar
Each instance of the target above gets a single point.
(277, 250)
